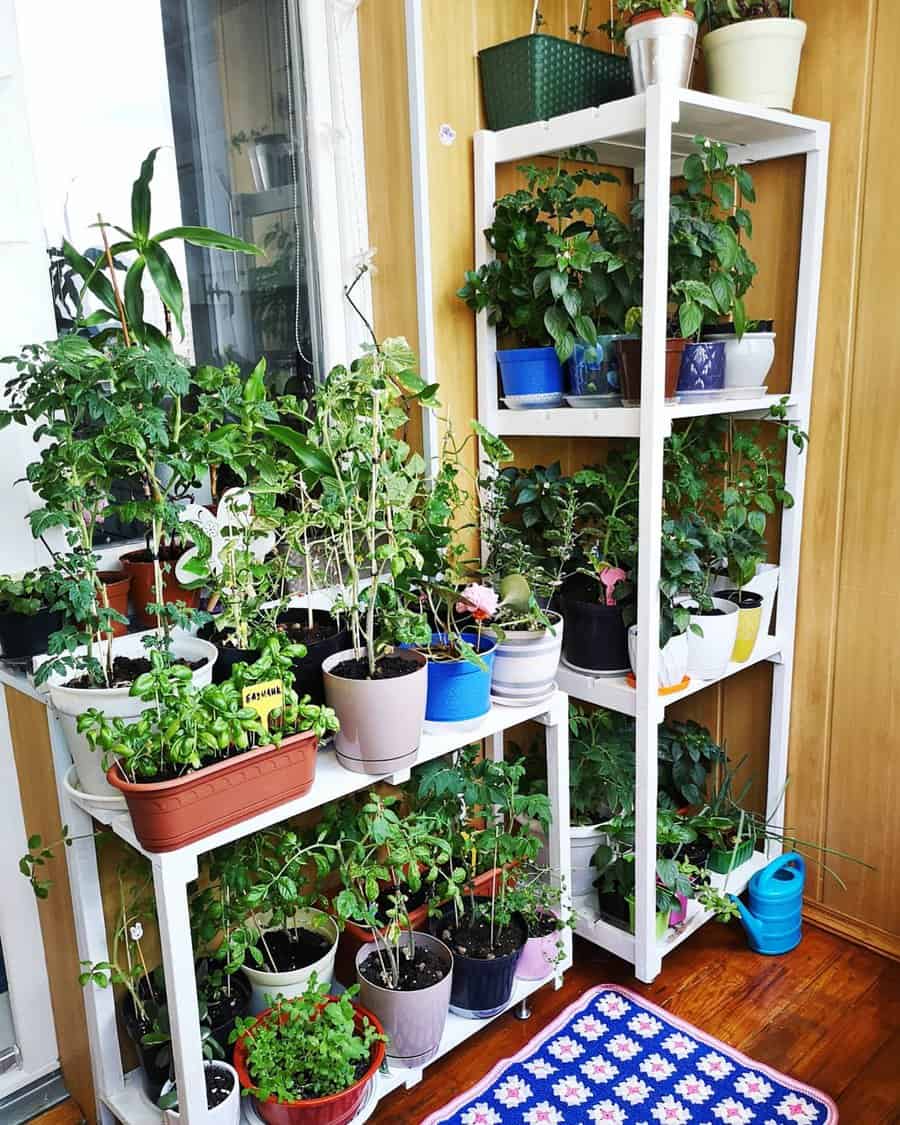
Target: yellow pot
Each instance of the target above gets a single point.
(749, 621)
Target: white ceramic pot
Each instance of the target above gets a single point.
(525, 664)
(673, 658)
(765, 583)
(69, 703)
(584, 841)
(291, 984)
(748, 361)
(225, 1113)
(661, 51)
(755, 61)
(710, 654)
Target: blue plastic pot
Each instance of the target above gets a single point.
(703, 367)
(457, 689)
(594, 370)
(530, 371)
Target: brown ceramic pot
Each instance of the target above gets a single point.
(170, 814)
(629, 351)
(118, 585)
(140, 571)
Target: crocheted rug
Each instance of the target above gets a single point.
(613, 1058)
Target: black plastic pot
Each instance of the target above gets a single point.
(228, 654)
(154, 1075)
(23, 636)
(482, 988)
(595, 637)
(308, 671)
(223, 1028)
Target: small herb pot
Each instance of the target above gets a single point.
(225, 1112)
(539, 957)
(530, 371)
(170, 814)
(749, 620)
(25, 635)
(710, 653)
(265, 983)
(459, 691)
(702, 369)
(723, 860)
(526, 663)
(661, 49)
(662, 920)
(413, 1021)
(335, 1109)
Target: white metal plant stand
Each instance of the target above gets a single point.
(652, 133)
(120, 1096)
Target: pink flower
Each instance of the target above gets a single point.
(480, 601)
(610, 577)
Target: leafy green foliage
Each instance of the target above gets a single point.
(306, 1047)
(722, 13)
(29, 593)
(601, 764)
(687, 753)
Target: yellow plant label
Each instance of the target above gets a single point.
(264, 698)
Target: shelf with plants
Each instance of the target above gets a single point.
(657, 575)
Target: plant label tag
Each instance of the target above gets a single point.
(264, 698)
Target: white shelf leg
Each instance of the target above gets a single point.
(171, 874)
(812, 235)
(556, 733)
(90, 932)
(662, 108)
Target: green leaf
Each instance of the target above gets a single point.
(411, 381)
(740, 318)
(690, 319)
(94, 280)
(140, 198)
(133, 296)
(166, 281)
(206, 236)
(572, 302)
(587, 330)
(255, 387)
(559, 283)
(308, 455)
(556, 322)
(724, 193)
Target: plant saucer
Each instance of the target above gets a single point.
(544, 401)
(671, 690)
(114, 802)
(593, 402)
(701, 396)
(594, 671)
(437, 726)
(745, 392)
(503, 702)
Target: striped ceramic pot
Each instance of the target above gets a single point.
(525, 664)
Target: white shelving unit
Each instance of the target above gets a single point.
(651, 134)
(120, 1096)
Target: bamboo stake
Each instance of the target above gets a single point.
(112, 278)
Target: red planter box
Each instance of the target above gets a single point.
(170, 814)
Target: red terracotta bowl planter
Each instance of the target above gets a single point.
(170, 814)
(118, 585)
(336, 1109)
(142, 593)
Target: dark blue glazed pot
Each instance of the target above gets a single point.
(483, 988)
(594, 370)
(530, 371)
(457, 689)
(702, 367)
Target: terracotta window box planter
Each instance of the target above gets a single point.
(171, 814)
(335, 1109)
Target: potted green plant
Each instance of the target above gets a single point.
(538, 901)
(30, 610)
(404, 974)
(539, 76)
(752, 50)
(301, 1059)
(660, 36)
(189, 736)
(557, 278)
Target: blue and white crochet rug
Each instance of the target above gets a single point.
(613, 1058)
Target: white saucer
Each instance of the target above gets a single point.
(593, 671)
(593, 402)
(745, 392)
(701, 396)
(113, 803)
(436, 726)
(546, 401)
(524, 702)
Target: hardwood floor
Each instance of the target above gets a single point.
(827, 1014)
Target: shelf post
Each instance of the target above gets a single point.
(485, 334)
(171, 874)
(662, 109)
(812, 235)
(556, 733)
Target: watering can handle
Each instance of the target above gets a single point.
(788, 859)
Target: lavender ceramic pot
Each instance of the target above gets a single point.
(413, 1021)
(702, 367)
(539, 957)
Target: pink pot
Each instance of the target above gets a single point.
(676, 917)
(538, 957)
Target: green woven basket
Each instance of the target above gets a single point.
(540, 76)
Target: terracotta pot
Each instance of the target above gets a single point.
(630, 363)
(656, 14)
(170, 814)
(141, 573)
(381, 720)
(413, 1021)
(118, 586)
(336, 1109)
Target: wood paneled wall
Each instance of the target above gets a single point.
(845, 769)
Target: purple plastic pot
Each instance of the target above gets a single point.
(539, 956)
(676, 917)
(413, 1021)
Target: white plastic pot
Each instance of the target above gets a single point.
(292, 984)
(766, 584)
(69, 703)
(755, 61)
(525, 664)
(661, 50)
(673, 658)
(584, 841)
(709, 654)
(225, 1113)
(748, 361)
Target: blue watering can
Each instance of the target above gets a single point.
(772, 915)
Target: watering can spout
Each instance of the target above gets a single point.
(751, 924)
